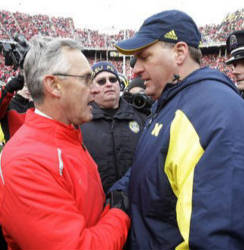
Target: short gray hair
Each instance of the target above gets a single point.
(45, 57)
(196, 54)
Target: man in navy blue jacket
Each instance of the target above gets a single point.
(186, 187)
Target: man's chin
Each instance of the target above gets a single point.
(110, 102)
(89, 117)
(148, 92)
(152, 95)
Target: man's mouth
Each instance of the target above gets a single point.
(109, 92)
(146, 81)
(90, 103)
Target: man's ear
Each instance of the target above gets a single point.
(181, 52)
(51, 85)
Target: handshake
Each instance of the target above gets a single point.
(118, 199)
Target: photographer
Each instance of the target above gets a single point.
(14, 102)
(14, 96)
(135, 95)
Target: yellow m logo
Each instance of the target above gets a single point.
(157, 129)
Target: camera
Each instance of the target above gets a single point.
(14, 52)
(140, 101)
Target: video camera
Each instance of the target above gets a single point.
(15, 51)
(140, 101)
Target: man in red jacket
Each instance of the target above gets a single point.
(50, 190)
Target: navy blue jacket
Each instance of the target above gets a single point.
(186, 186)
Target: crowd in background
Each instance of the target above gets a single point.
(218, 33)
(55, 27)
(217, 62)
(30, 25)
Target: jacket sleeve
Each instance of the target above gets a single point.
(5, 98)
(123, 183)
(44, 214)
(208, 183)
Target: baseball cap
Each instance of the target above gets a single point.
(235, 46)
(170, 26)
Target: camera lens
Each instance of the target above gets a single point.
(139, 101)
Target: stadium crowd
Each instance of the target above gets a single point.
(218, 33)
(30, 25)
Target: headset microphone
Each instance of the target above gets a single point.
(176, 78)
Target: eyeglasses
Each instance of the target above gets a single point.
(86, 77)
(102, 81)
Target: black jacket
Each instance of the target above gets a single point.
(12, 111)
(111, 140)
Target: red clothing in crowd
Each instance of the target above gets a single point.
(51, 193)
(12, 111)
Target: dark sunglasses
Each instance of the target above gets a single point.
(102, 81)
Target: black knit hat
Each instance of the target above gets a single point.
(104, 66)
(136, 82)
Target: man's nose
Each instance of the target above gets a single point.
(94, 90)
(108, 83)
(235, 69)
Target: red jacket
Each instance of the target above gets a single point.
(51, 193)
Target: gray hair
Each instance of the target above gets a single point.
(196, 54)
(45, 57)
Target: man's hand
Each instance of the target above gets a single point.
(15, 84)
(118, 199)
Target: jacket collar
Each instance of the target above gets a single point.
(57, 130)
(124, 112)
(195, 77)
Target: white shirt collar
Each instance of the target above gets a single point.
(37, 111)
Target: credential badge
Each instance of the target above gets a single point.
(134, 126)
(233, 42)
